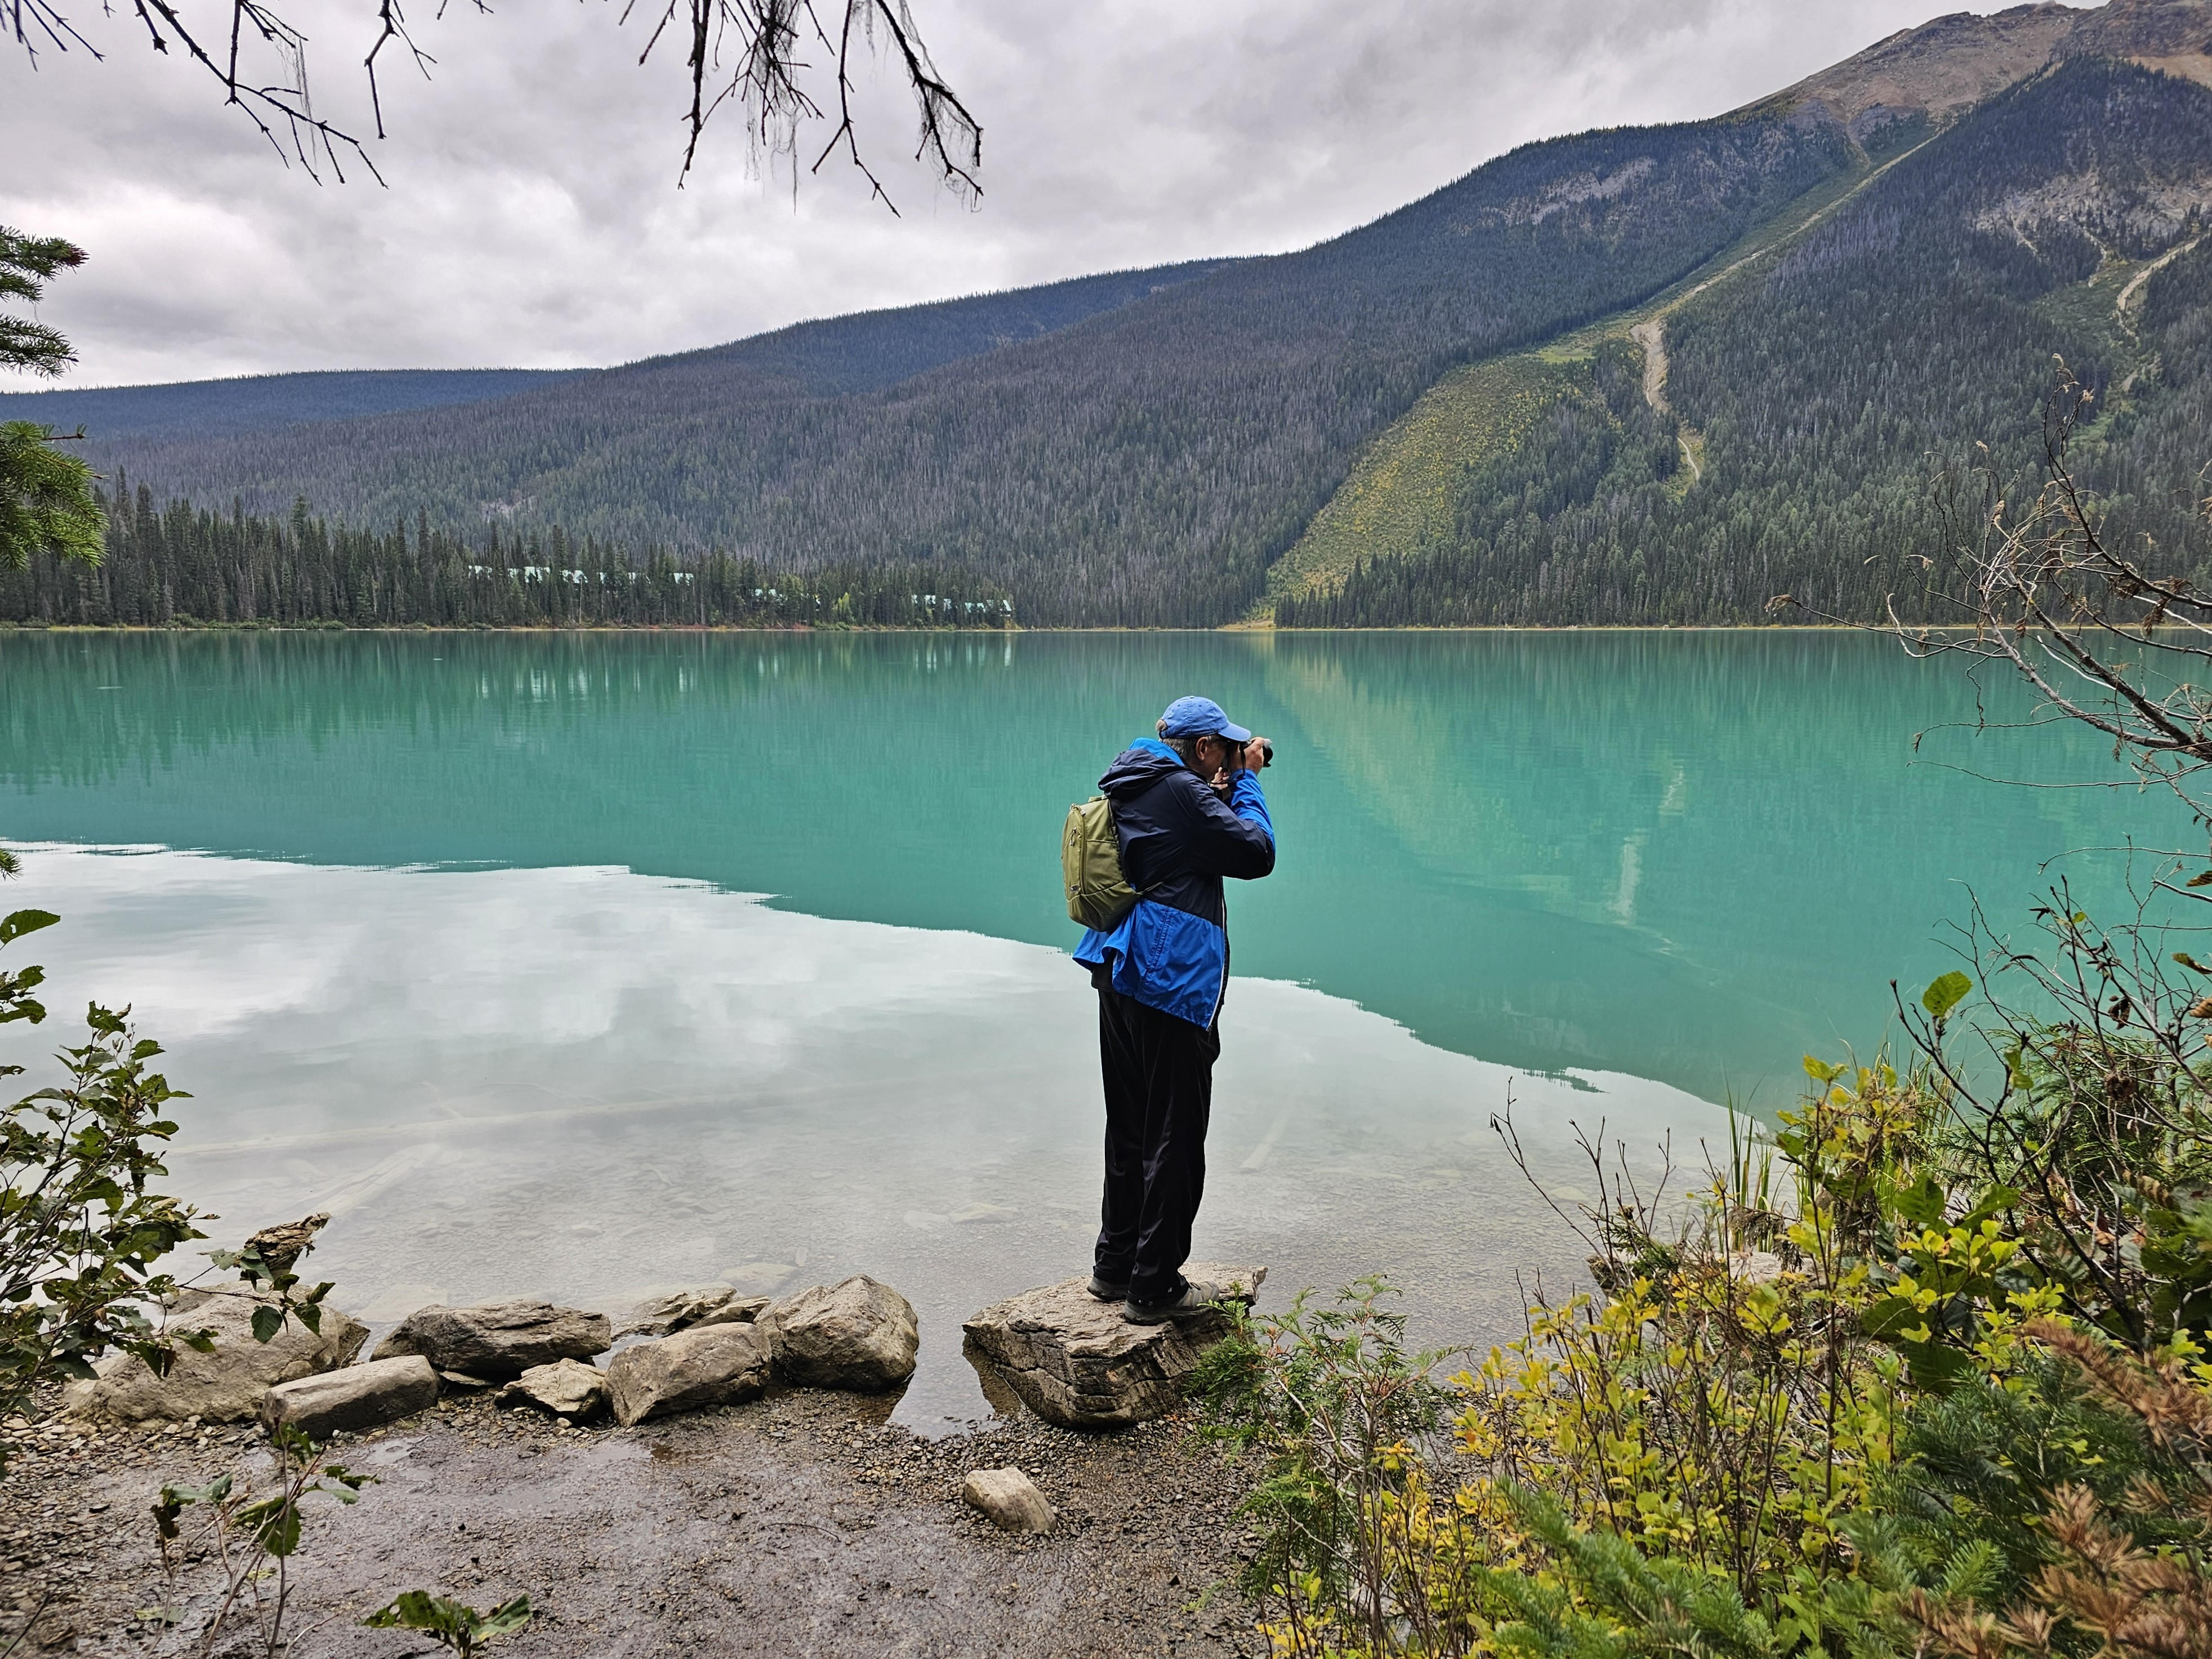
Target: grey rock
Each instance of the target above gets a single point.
(856, 1333)
(683, 1310)
(499, 1340)
(352, 1398)
(225, 1386)
(1011, 1499)
(283, 1246)
(1754, 1267)
(1075, 1361)
(567, 1388)
(719, 1364)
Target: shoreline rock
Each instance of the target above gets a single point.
(352, 1398)
(1075, 1361)
(498, 1341)
(687, 1310)
(225, 1386)
(567, 1388)
(1011, 1499)
(858, 1333)
(715, 1365)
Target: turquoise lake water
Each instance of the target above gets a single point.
(578, 964)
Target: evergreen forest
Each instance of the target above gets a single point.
(181, 565)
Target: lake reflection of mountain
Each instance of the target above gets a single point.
(1687, 857)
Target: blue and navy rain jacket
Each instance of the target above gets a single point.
(1178, 840)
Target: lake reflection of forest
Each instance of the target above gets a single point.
(1684, 856)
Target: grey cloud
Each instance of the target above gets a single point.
(533, 217)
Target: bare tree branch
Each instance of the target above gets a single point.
(285, 103)
(30, 18)
(762, 42)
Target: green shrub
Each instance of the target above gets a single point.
(82, 1230)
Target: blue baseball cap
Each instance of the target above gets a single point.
(1199, 717)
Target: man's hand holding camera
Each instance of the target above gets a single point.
(1219, 760)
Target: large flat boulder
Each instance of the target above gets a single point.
(856, 1333)
(714, 1365)
(225, 1386)
(498, 1341)
(353, 1397)
(1075, 1361)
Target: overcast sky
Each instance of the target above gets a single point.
(532, 218)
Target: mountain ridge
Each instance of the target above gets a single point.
(845, 352)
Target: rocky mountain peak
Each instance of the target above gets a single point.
(2171, 35)
(1937, 70)
(1944, 67)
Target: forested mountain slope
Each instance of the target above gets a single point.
(1141, 465)
(1634, 375)
(1809, 399)
(254, 403)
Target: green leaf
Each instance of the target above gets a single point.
(419, 1610)
(1933, 1370)
(1921, 1204)
(2190, 963)
(275, 1525)
(1946, 993)
(267, 1322)
(458, 1627)
(14, 926)
(173, 1500)
(1889, 1316)
(1998, 1200)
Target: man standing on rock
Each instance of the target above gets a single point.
(1188, 811)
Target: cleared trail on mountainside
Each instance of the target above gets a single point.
(1399, 495)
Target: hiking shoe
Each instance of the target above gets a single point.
(1197, 1297)
(1107, 1291)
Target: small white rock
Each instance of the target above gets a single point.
(1011, 1499)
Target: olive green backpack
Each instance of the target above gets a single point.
(1099, 894)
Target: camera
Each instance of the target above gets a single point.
(1267, 752)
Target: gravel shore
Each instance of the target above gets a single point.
(798, 1524)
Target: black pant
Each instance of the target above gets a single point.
(1159, 1094)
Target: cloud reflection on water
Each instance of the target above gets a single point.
(584, 1084)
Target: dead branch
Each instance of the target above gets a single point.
(263, 71)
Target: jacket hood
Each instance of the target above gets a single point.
(1137, 768)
